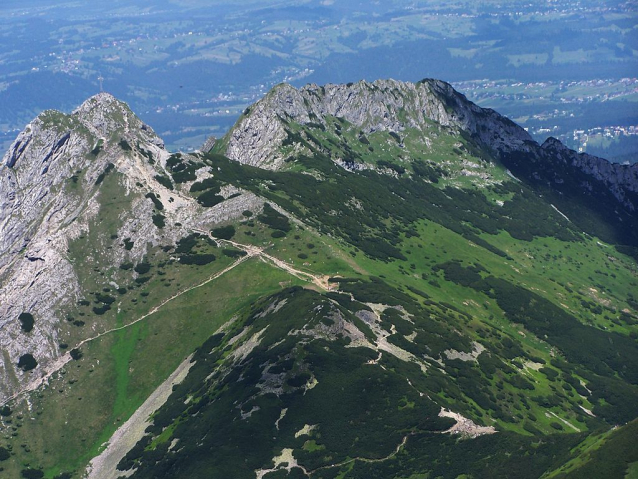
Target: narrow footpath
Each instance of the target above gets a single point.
(250, 250)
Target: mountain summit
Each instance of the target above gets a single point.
(380, 106)
(50, 189)
(364, 280)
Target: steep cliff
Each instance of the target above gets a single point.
(622, 180)
(49, 152)
(383, 105)
(77, 192)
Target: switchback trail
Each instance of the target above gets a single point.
(251, 251)
(60, 362)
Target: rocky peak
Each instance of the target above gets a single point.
(383, 105)
(48, 191)
(58, 183)
(393, 106)
(50, 171)
(52, 148)
(103, 115)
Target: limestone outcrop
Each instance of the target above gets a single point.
(383, 105)
(52, 195)
(393, 106)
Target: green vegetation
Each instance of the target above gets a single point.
(384, 284)
(27, 362)
(275, 376)
(159, 220)
(274, 219)
(224, 232)
(169, 330)
(181, 169)
(26, 322)
(124, 145)
(110, 167)
(197, 259)
(142, 268)
(209, 198)
(609, 454)
(97, 148)
(164, 181)
(31, 473)
(392, 205)
(76, 354)
(331, 366)
(234, 253)
(156, 201)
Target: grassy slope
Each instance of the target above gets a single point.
(610, 454)
(66, 424)
(77, 413)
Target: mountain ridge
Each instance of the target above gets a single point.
(374, 106)
(290, 122)
(38, 156)
(620, 178)
(445, 261)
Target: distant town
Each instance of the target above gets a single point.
(555, 107)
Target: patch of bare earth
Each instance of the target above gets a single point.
(464, 426)
(104, 466)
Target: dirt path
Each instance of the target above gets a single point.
(364, 459)
(60, 362)
(319, 280)
(251, 251)
(128, 434)
(290, 462)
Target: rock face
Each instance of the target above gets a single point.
(384, 105)
(48, 194)
(48, 152)
(51, 193)
(208, 144)
(622, 180)
(390, 105)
